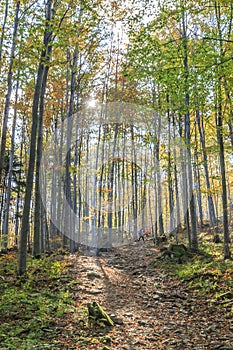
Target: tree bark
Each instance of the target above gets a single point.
(10, 171)
(30, 175)
(9, 91)
(219, 129)
(194, 241)
(3, 28)
(212, 216)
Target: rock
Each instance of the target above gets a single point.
(161, 294)
(156, 296)
(117, 320)
(95, 291)
(93, 275)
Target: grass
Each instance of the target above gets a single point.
(207, 273)
(31, 308)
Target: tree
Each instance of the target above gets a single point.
(44, 60)
(9, 87)
(219, 127)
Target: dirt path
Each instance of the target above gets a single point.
(155, 309)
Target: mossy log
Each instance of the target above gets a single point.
(97, 314)
(178, 250)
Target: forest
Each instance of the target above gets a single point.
(116, 203)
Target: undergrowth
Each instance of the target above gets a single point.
(207, 273)
(31, 307)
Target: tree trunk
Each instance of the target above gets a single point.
(197, 178)
(170, 181)
(212, 216)
(9, 180)
(9, 90)
(219, 127)
(157, 130)
(178, 216)
(33, 141)
(194, 241)
(38, 209)
(3, 29)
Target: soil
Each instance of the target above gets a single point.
(151, 308)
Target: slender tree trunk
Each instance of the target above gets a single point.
(9, 91)
(134, 187)
(10, 171)
(157, 130)
(194, 241)
(197, 178)
(227, 89)
(229, 100)
(212, 216)
(30, 174)
(184, 184)
(178, 215)
(71, 109)
(219, 127)
(3, 30)
(17, 214)
(69, 223)
(170, 181)
(38, 209)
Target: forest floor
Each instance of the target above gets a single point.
(152, 307)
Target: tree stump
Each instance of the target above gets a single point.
(178, 250)
(97, 314)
